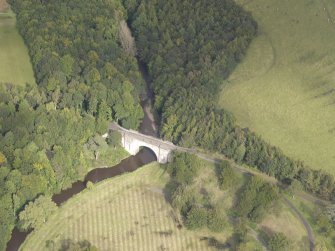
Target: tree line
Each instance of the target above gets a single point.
(190, 47)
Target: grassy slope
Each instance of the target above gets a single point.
(286, 222)
(15, 64)
(129, 211)
(285, 87)
(125, 213)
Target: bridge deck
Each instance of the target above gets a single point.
(143, 137)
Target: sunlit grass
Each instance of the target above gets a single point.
(284, 89)
(15, 66)
(128, 212)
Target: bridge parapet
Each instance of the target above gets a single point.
(133, 140)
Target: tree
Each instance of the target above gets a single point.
(216, 221)
(36, 213)
(184, 167)
(96, 144)
(227, 177)
(294, 187)
(196, 218)
(67, 63)
(255, 199)
(279, 242)
(3, 159)
(114, 139)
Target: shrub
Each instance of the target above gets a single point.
(215, 221)
(183, 168)
(114, 139)
(227, 177)
(278, 242)
(196, 218)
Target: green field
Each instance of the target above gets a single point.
(286, 222)
(128, 212)
(15, 64)
(284, 89)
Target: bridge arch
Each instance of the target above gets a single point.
(132, 141)
(148, 153)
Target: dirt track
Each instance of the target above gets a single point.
(301, 218)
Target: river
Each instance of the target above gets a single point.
(144, 156)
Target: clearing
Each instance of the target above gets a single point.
(15, 66)
(284, 89)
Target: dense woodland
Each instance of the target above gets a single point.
(190, 46)
(84, 81)
(77, 58)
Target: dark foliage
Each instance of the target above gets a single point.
(190, 47)
(255, 199)
(227, 177)
(77, 57)
(84, 80)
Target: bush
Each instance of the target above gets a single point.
(182, 199)
(196, 218)
(279, 242)
(90, 185)
(114, 139)
(227, 177)
(183, 168)
(255, 199)
(36, 213)
(215, 221)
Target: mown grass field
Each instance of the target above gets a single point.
(284, 89)
(15, 66)
(127, 212)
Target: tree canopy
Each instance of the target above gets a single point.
(36, 213)
(85, 80)
(191, 47)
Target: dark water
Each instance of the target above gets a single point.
(148, 125)
(16, 240)
(143, 157)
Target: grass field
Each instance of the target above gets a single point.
(15, 66)
(284, 89)
(128, 212)
(286, 222)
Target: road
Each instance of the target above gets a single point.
(241, 169)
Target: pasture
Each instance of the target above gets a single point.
(284, 89)
(128, 212)
(15, 66)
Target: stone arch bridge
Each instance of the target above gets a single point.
(132, 141)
